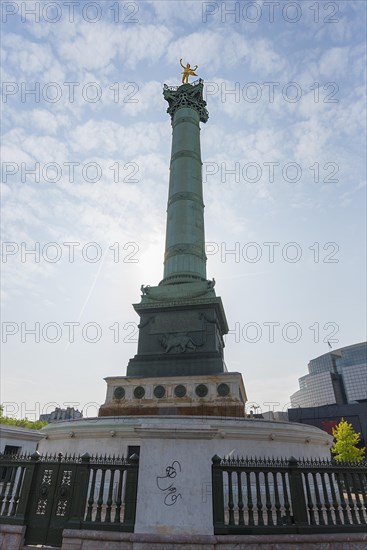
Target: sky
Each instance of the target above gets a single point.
(85, 168)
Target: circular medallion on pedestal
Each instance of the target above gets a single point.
(201, 390)
(159, 391)
(119, 393)
(139, 392)
(180, 391)
(223, 390)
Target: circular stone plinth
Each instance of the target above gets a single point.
(183, 446)
(246, 435)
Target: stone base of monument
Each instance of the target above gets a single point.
(187, 444)
(205, 395)
(180, 336)
(94, 540)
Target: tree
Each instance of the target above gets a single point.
(346, 439)
(24, 423)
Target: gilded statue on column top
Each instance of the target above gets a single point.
(187, 71)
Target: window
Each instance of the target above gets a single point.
(133, 449)
(6, 473)
(11, 450)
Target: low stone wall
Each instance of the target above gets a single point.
(11, 537)
(102, 540)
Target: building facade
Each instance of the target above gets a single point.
(17, 440)
(61, 414)
(338, 377)
(327, 417)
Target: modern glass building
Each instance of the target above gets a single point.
(337, 377)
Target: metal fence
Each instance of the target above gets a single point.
(51, 492)
(288, 496)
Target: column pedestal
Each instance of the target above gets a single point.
(221, 395)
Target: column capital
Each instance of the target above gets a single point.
(186, 95)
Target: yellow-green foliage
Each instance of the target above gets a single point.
(346, 439)
(24, 423)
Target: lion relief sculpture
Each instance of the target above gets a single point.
(178, 343)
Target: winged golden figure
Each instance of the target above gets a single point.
(187, 71)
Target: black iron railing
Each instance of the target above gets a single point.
(111, 493)
(49, 493)
(288, 496)
(175, 88)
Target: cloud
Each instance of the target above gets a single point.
(42, 149)
(41, 120)
(89, 50)
(264, 57)
(31, 61)
(211, 50)
(110, 137)
(333, 62)
(182, 12)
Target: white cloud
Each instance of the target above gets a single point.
(111, 137)
(96, 48)
(333, 62)
(30, 61)
(42, 149)
(180, 11)
(264, 57)
(43, 120)
(216, 51)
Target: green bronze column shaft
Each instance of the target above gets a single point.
(182, 321)
(185, 259)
